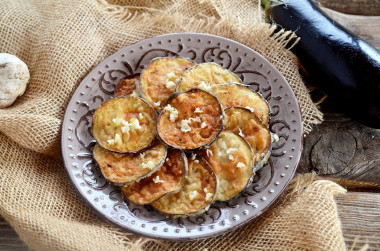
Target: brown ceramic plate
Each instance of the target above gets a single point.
(252, 68)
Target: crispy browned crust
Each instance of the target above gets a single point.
(237, 95)
(109, 129)
(193, 198)
(167, 179)
(127, 85)
(204, 126)
(124, 168)
(209, 73)
(245, 123)
(224, 156)
(154, 83)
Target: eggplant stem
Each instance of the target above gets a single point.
(268, 4)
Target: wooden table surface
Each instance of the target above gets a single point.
(337, 148)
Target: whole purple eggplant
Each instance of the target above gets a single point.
(345, 66)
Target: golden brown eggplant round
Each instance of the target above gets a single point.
(231, 158)
(190, 120)
(204, 76)
(197, 194)
(169, 178)
(246, 124)
(124, 168)
(124, 125)
(127, 86)
(159, 79)
(237, 95)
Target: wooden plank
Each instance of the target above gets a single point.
(360, 217)
(359, 7)
(366, 27)
(342, 148)
(9, 239)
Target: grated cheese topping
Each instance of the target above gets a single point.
(197, 110)
(197, 119)
(170, 75)
(193, 156)
(209, 152)
(240, 132)
(142, 155)
(193, 194)
(275, 137)
(231, 150)
(230, 157)
(134, 94)
(170, 84)
(111, 141)
(157, 180)
(149, 164)
(141, 116)
(196, 161)
(240, 165)
(167, 159)
(173, 113)
(118, 121)
(135, 124)
(203, 125)
(158, 103)
(204, 86)
(117, 139)
(208, 196)
(185, 125)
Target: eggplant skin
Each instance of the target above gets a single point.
(124, 168)
(231, 158)
(345, 66)
(169, 178)
(196, 196)
(127, 86)
(204, 116)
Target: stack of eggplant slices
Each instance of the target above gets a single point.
(182, 135)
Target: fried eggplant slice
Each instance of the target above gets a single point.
(237, 95)
(124, 125)
(205, 75)
(190, 120)
(197, 194)
(159, 79)
(127, 86)
(168, 179)
(124, 168)
(246, 124)
(231, 158)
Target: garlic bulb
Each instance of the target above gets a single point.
(14, 75)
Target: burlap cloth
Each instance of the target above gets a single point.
(61, 41)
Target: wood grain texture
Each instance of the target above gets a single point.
(360, 217)
(359, 7)
(366, 27)
(9, 239)
(342, 148)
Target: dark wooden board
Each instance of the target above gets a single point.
(9, 239)
(359, 7)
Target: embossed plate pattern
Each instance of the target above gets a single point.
(252, 68)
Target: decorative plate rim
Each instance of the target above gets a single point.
(172, 237)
